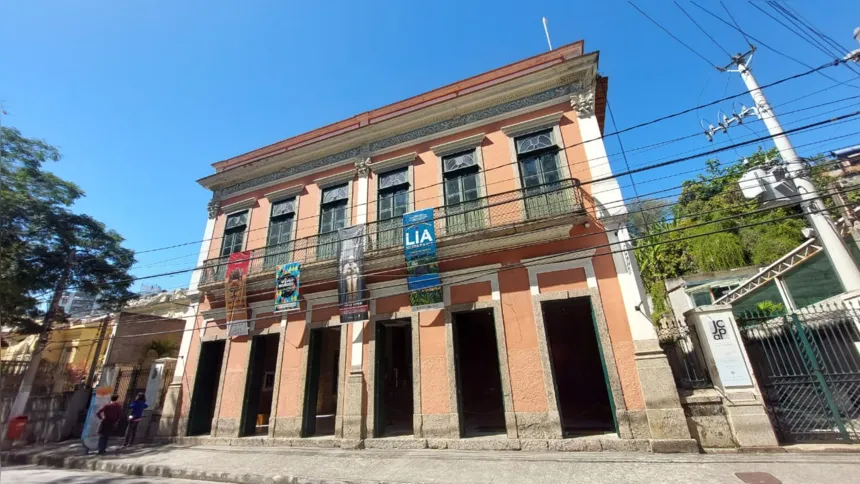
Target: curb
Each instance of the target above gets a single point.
(163, 471)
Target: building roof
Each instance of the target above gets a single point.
(538, 80)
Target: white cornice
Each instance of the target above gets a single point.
(458, 145)
(288, 192)
(531, 125)
(393, 163)
(240, 205)
(335, 179)
(565, 76)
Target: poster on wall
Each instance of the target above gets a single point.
(287, 287)
(235, 306)
(422, 267)
(351, 290)
(100, 397)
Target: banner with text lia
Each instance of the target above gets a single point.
(350, 286)
(287, 287)
(422, 268)
(235, 306)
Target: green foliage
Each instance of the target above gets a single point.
(713, 197)
(715, 252)
(163, 347)
(645, 213)
(38, 230)
(770, 308)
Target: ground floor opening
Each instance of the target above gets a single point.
(393, 409)
(205, 392)
(479, 382)
(578, 368)
(321, 390)
(260, 385)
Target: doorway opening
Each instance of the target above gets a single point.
(260, 385)
(393, 380)
(578, 368)
(322, 382)
(206, 383)
(479, 381)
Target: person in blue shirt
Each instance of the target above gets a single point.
(137, 407)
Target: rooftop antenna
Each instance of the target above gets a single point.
(546, 31)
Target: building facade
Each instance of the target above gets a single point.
(78, 304)
(541, 337)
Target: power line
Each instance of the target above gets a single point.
(790, 13)
(399, 274)
(617, 132)
(763, 44)
(518, 265)
(664, 29)
(747, 40)
(702, 29)
(600, 179)
(787, 27)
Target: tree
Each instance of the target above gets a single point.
(38, 231)
(644, 213)
(713, 197)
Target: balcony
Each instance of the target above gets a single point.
(510, 219)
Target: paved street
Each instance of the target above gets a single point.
(42, 475)
(255, 464)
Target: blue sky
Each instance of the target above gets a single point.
(141, 97)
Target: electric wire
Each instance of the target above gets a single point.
(555, 257)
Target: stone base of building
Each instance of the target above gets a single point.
(739, 421)
(581, 444)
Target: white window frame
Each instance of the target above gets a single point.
(233, 208)
(514, 131)
(281, 195)
(458, 146)
(382, 167)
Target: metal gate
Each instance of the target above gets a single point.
(130, 381)
(808, 367)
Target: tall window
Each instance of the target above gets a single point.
(393, 201)
(279, 241)
(234, 233)
(333, 211)
(544, 192)
(462, 206)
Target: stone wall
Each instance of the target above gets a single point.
(52, 418)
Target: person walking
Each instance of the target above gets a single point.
(137, 407)
(109, 416)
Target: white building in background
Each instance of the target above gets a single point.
(78, 304)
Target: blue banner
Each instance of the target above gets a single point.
(422, 268)
(287, 287)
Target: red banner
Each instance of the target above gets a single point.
(234, 293)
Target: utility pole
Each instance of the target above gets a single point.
(102, 331)
(811, 204)
(20, 404)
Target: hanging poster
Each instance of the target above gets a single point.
(350, 287)
(236, 308)
(422, 268)
(287, 287)
(100, 397)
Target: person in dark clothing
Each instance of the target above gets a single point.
(137, 407)
(109, 416)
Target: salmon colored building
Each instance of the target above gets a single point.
(541, 343)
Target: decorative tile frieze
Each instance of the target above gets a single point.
(363, 151)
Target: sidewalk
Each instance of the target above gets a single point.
(270, 465)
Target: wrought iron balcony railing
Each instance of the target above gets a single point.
(515, 207)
